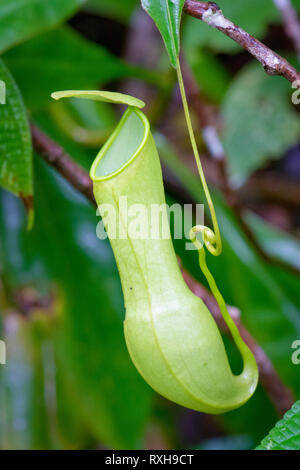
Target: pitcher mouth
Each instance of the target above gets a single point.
(122, 147)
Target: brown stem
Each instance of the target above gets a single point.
(273, 63)
(55, 156)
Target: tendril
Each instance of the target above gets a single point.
(211, 238)
(208, 238)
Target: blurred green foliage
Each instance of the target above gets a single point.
(22, 20)
(62, 60)
(267, 132)
(88, 337)
(69, 382)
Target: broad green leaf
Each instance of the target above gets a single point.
(96, 95)
(167, 16)
(23, 19)
(113, 401)
(114, 9)
(15, 141)
(62, 60)
(286, 434)
(259, 122)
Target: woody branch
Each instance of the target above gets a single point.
(273, 63)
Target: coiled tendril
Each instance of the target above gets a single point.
(211, 239)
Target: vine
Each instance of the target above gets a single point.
(210, 238)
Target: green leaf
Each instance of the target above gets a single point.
(62, 60)
(15, 141)
(23, 19)
(286, 434)
(96, 95)
(259, 122)
(167, 16)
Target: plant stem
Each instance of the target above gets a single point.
(216, 238)
(211, 239)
